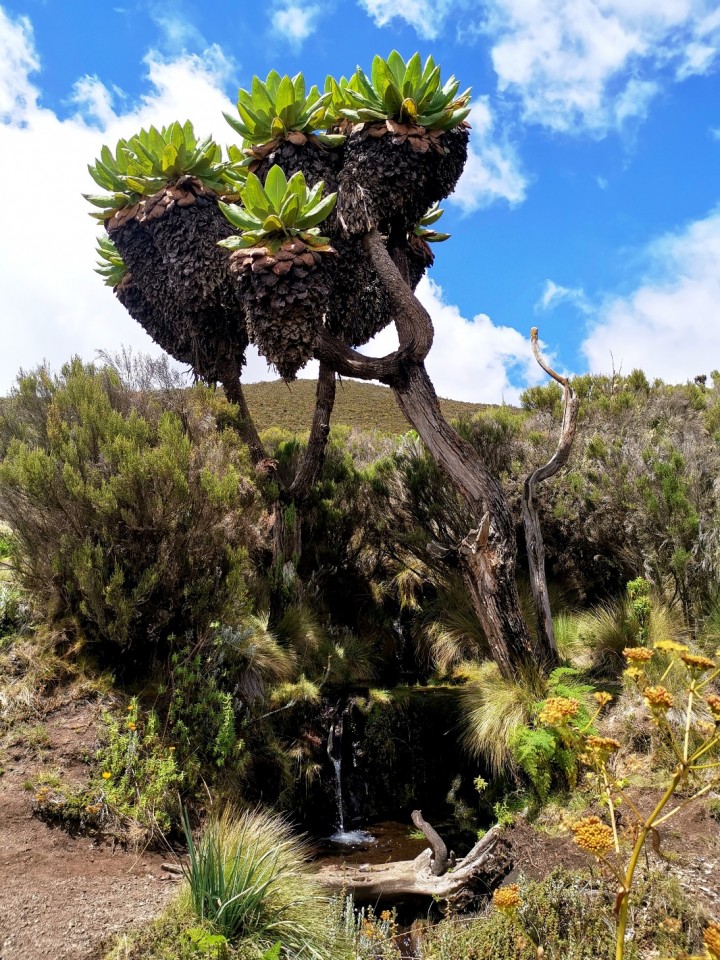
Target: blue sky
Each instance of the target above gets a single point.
(590, 205)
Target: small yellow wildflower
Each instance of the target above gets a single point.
(106, 774)
(634, 673)
(711, 939)
(593, 836)
(171, 749)
(697, 662)
(507, 897)
(558, 710)
(602, 697)
(670, 646)
(638, 654)
(658, 699)
(671, 925)
(386, 916)
(132, 725)
(713, 701)
(130, 707)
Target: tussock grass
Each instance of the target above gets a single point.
(247, 878)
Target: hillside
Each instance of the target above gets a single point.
(366, 406)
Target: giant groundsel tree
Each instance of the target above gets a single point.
(307, 239)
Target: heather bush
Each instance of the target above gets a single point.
(131, 513)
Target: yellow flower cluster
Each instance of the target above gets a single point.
(558, 710)
(697, 662)
(602, 746)
(593, 836)
(507, 897)
(713, 701)
(602, 698)
(711, 939)
(658, 698)
(638, 654)
(670, 646)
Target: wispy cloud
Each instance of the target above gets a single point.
(591, 66)
(668, 325)
(427, 17)
(493, 170)
(554, 293)
(295, 21)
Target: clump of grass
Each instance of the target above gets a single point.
(247, 879)
(494, 708)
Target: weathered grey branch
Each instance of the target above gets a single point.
(440, 860)
(475, 875)
(531, 518)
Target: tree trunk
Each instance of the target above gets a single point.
(488, 554)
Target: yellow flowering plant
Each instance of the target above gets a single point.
(694, 744)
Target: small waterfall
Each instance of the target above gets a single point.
(334, 749)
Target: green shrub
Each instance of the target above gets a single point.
(570, 916)
(128, 517)
(134, 789)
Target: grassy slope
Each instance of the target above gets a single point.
(365, 406)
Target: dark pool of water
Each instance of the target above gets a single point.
(374, 843)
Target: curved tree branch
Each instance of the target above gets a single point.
(531, 519)
(413, 323)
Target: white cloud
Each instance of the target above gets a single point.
(426, 16)
(296, 22)
(17, 60)
(668, 325)
(493, 170)
(553, 293)
(53, 304)
(472, 360)
(593, 65)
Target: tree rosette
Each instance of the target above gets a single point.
(182, 192)
(285, 292)
(392, 173)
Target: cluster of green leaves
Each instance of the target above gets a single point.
(111, 265)
(147, 162)
(278, 211)
(130, 519)
(543, 753)
(407, 92)
(279, 108)
(144, 777)
(201, 716)
(427, 219)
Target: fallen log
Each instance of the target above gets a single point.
(479, 872)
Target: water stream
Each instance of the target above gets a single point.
(342, 836)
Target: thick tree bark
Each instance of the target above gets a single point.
(488, 555)
(531, 519)
(472, 877)
(289, 508)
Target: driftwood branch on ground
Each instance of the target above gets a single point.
(476, 874)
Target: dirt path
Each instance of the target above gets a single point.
(61, 897)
